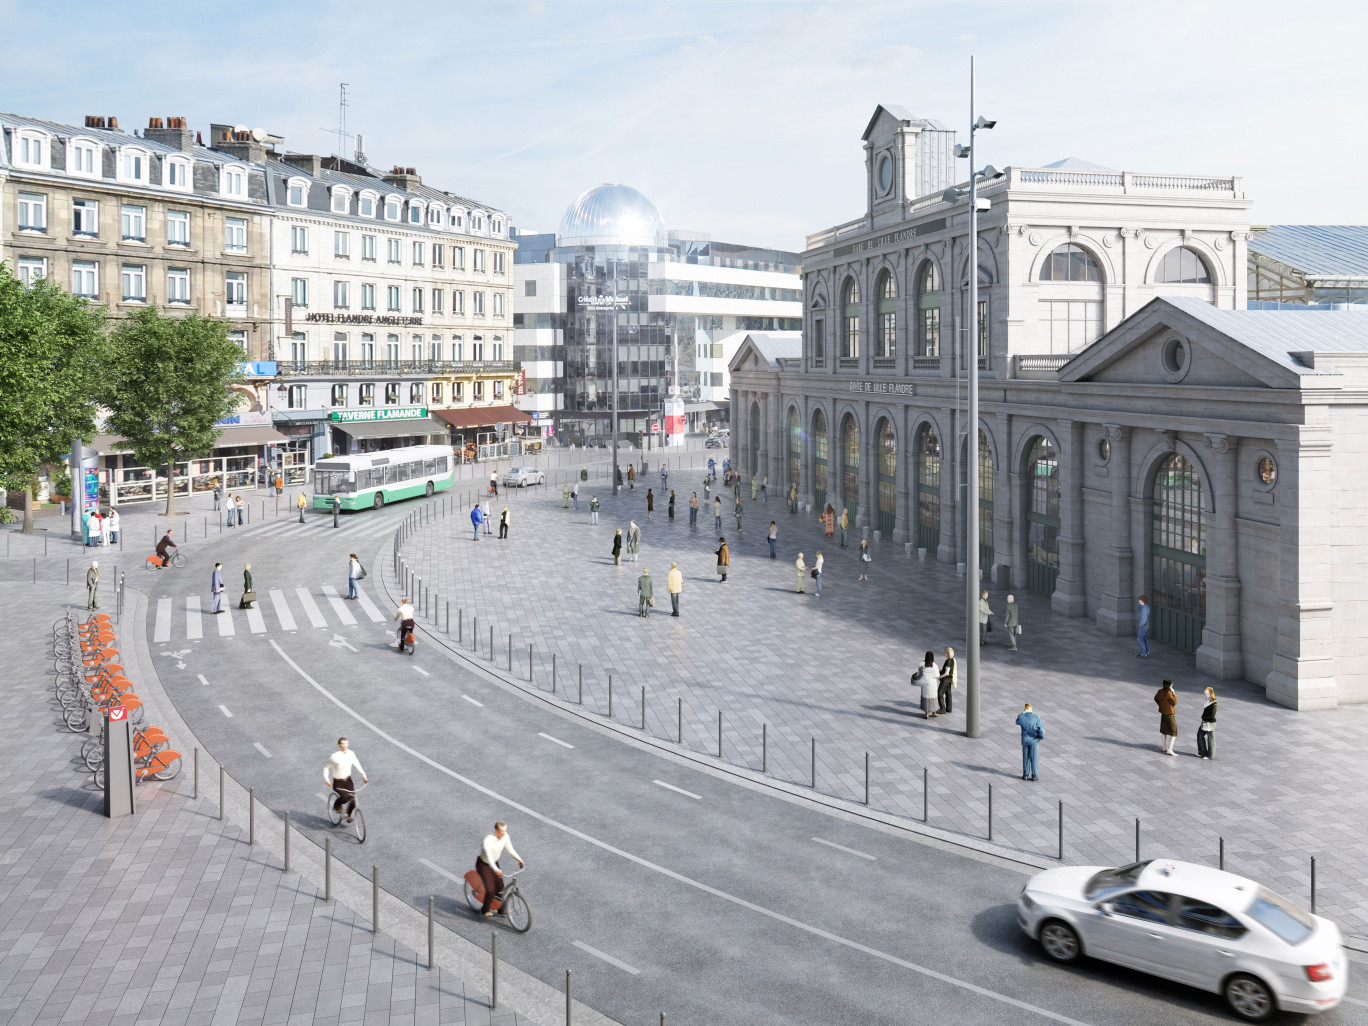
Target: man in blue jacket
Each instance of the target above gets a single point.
(1032, 733)
(1142, 626)
(476, 519)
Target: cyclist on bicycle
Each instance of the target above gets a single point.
(405, 618)
(487, 865)
(164, 546)
(338, 775)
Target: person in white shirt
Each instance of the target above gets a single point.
(353, 576)
(338, 774)
(487, 865)
(405, 618)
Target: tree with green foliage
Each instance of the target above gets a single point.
(168, 386)
(52, 348)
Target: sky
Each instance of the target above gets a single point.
(738, 118)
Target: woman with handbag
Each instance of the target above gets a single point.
(248, 595)
(927, 680)
(865, 560)
(1206, 731)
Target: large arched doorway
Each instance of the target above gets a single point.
(928, 489)
(888, 478)
(985, 473)
(754, 439)
(1042, 516)
(819, 459)
(850, 466)
(795, 450)
(1178, 554)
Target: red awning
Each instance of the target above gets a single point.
(483, 416)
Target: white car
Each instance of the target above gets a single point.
(1191, 924)
(521, 477)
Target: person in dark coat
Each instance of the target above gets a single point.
(645, 593)
(246, 586)
(650, 503)
(1206, 732)
(945, 694)
(1167, 701)
(669, 508)
(617, 547)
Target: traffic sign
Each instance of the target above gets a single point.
(117, 713)
(655, 427)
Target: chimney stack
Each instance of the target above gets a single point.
(113, 123)
(405, 178)
(175, 134)
(309, 162)
(226, 139)
(94, 121)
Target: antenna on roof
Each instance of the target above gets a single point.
(341, 130)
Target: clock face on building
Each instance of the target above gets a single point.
(884, 173)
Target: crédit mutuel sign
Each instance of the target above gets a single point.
(332, 318)
(380, 413)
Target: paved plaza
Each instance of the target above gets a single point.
(1284, 786)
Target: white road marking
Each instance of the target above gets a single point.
(438, 869)
(225, 620)
(282, 611)
(337, 641)
(194, 627)
(257, 745)
(224, 709)
(339, 605)
(162, 631)
(202, 680)
(677, 790)
(848, 851)
(369, 606)
(255, 620)
(556, 740)
(670, 874)
(472, 701)
(422, 671)
(310, 607)
(607, 958)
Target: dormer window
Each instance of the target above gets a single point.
(415, 213)
(233, 182)
(133, 166)
(83, 158)
(391, 209)
(366, 205)
(436, 217)
(177, 174)
(341, 200)
(496, 226)
(297, 192)
(457, 219)
(31, 149)
(477, 222)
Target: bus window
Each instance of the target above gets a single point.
(391, 474)
(429, 467)
(416, 468)
(333, 482)
(441, 464)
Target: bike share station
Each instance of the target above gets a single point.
(118, 763)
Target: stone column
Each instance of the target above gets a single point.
(1303, 674)
(1221, 652)
(865, 517)
(1116, 614)
(1004, 506)
(949, 490)
(1070, 594)
(777, 464)
(805, 486)
(905, 479)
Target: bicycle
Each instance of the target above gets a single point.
(336, 817)
(153, 562)
(512, 906)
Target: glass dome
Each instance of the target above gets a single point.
(612, 215)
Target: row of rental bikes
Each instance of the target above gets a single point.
(89, 681)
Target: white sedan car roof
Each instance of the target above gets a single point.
(1225, 890)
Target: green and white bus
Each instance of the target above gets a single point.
(368, 480)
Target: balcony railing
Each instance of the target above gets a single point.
(376, 368)
(1043, 366)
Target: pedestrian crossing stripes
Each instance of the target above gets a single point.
(283, 609)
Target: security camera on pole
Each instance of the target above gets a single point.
(971, 582)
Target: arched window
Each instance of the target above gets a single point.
(887, 311)
(928, 489)
(888, 478)
(1182, 266)
(819, 459)
(928, 312)
(795, 448)
(1178, 551)
(850, 466)
(818, 346)
(1070, 263)
(1042, 516)
(850, 320)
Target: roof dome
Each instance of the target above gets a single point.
(612, 215)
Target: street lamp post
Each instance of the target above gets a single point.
(614, 422)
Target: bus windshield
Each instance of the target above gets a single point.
(333, 482)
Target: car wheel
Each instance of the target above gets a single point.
(1060, 941)
(1249, 998)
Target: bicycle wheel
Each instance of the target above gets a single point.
(359, 825)
(99, 777)
(178, 560)
(76, 720)
(168, 772)
(470, 898)
(151, 563)
(92, 753)
(519, 912)
(334, 816)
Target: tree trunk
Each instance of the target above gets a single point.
(170, 485)
(28, 509)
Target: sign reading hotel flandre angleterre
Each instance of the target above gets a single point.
(382, 413)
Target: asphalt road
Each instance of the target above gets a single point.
(664, 887)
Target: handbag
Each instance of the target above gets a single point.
(362, 575)
(249, 596)
(814, 573)
(1018, 630)
(990, 625)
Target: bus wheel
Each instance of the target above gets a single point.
(429, 489)
(379, 500)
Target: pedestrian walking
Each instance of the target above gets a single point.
(216, 589)
(565, 496)
(650, 504)
(238, 503)
(485, 517)
(619, 477)
(712, 468)
(494, 485)
(248, 592)
(218, 495)
(337, 511)
(985, 618)
(764, 489)
(1032, 733)
(574, 495)
(674, 585)
(1167, 701)
(645, 592)
(947, 682)
(631, 477)
(1206, 731)
(593, 509)
(925, 681)
(280, 484)
(300, 503)
(617, 547)
(504, 518)
(755, 487)
(793, 498)
(93, 585)
(270, 485)
(865, 560)
(845, 525)
(723, 559)
(827, 519)
(230, 509)
(112, 527)
(476, 518)
(773, 538)
(354, 573)
(584, 473)
(669, 507)
(664, 477)
(802, 573)
(634, 541)
(1142, 626)
(693, 509)
(737, 513)
(707, 488)
(817, 572)
(1012, 618)
(96, 528)
(717, 512)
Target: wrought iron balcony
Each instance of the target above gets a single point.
(390, 368)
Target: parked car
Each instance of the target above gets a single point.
(1191, 924)
(521, 477)
(717, 441)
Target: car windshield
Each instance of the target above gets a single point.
(1287, 920)
(1113, 880)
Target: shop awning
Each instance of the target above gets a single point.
(424, 426)
(699, 407)
(248, 434)
(484, 416)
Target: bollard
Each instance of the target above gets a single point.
(510, 653)
(491, 642)
(764, 748)
(206, 527)
(1313, 885)
(581, 683)
(926, 796)
(553, 673)
(375, 899)
(431, 931)
(251, 816)
(1137, 838)
(196, 795)
(474, 632)
(448, 618)
(990, 812)
(327, 869)
(1061, 830)
(220, 792)
(494, 972)
(460, 625)
(643, 708)
(719, 733)
(287, 841)
(610, 696)
(990, 797)
(68, 570)
(679, 738)
(814, 764)
(529, 664)
(1221, 864)
(567, 997)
